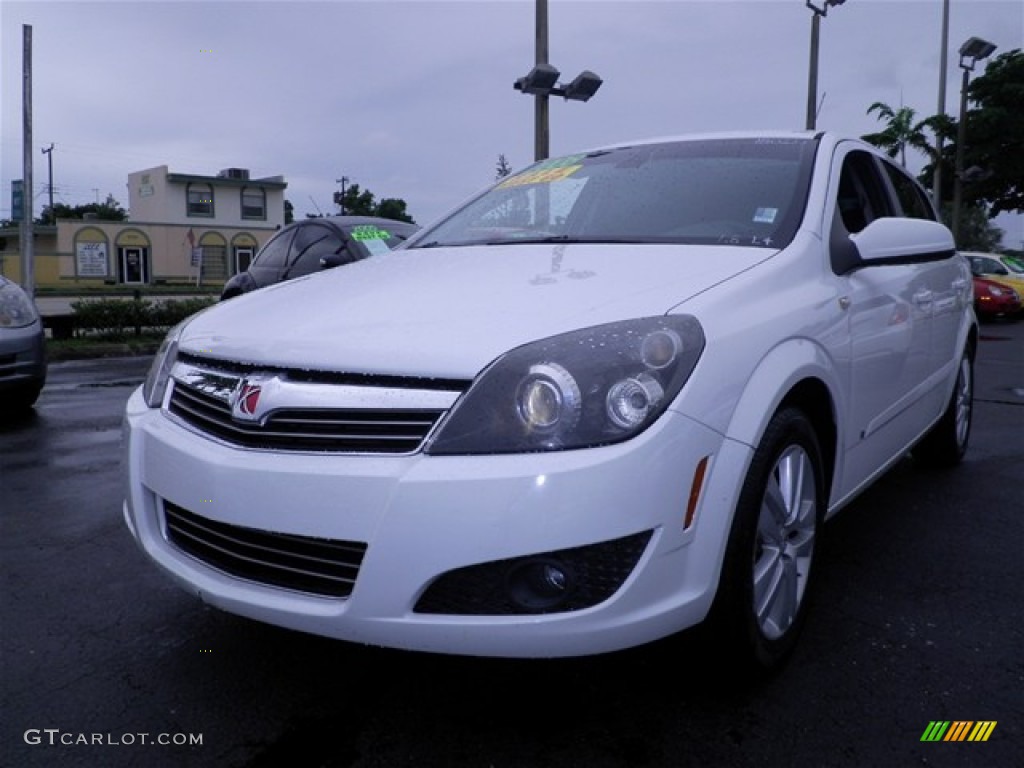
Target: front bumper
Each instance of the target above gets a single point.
(424, 518)
(22, 357)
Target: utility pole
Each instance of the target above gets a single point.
(341, 200)
(49, 156)
(28, 277)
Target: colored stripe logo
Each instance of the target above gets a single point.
(958, 730)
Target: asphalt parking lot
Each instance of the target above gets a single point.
(919, 617)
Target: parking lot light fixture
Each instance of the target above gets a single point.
(583, 86)
(971, 52)
(540, 81)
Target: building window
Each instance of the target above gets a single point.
(254, 203)
(200, 200)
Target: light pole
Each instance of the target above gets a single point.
(971, 52)
(542, 82)
(812, 76)
(937, 173)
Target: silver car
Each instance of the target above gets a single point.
(22, 349)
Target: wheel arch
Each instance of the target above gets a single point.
(798, 373)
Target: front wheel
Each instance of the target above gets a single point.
(773, 546)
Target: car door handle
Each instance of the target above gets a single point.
(960, 286)
(923, 298)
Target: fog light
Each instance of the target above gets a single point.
(540, 584)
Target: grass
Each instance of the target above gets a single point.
(86, 347)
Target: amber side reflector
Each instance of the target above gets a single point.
(695, 489)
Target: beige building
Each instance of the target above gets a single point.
(181, 228)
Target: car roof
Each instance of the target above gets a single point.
(718, 135)
(348, 221)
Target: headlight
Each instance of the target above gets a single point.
(155, 386)
(16, 309)
(591, 387)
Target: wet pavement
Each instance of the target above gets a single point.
(919, 617)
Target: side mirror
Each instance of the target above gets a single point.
(903, 241)
(891, 241)
(330, 261)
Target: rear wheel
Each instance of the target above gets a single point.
(946, 443)
(773, 546)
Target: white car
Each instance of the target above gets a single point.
(613, 397)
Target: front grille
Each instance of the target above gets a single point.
(317, 566)
(346, 430)
(484, 590)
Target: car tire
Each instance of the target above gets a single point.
(21, 399)
(773, 548)
(946, 442)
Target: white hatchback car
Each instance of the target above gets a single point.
(612, 397)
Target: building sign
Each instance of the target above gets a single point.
(17, 199)
(91, 259)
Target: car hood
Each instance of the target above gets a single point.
(448, 312)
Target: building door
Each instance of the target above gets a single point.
(243, 258)
(132, 265)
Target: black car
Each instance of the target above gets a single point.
(311, 245)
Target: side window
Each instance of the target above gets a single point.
(274, 253)
(862, 197)
(311, 244)
(909, 193)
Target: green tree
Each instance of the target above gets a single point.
(994, 147)
(359, 202)
(356, 202)
(393, 208)
(289, 212)
(976, 231)
(109, 210)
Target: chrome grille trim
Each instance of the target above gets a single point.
(323, 567)
(308, 416)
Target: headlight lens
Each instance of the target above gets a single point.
(590, 387)
(155, 386)
(16, 309)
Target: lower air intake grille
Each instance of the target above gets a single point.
(484, 590)
(303, 563)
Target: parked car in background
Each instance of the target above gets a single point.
(22, 349)
(992, 267)
(1013, 263)
(993, 300)
(311, 245)
(542, 428)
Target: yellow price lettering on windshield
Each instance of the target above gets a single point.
(542, 176)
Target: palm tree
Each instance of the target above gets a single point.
(901, 132)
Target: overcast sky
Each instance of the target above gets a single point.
(414, 99)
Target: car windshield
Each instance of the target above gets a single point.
(723, 191)
(374, 239)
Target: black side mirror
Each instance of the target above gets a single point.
(330, 261)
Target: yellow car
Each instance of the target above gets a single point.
(992, 267)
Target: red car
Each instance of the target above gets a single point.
(992, 299)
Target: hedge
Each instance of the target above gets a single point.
(116, 318)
